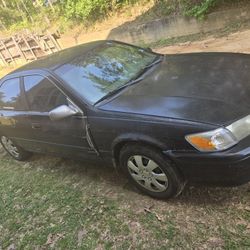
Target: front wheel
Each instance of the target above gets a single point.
(150, 172)
(13, 150)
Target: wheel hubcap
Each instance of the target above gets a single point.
(9, 146)
(147, 173)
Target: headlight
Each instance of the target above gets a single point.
(222, 138)
(240, 128)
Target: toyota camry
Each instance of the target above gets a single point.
(164, 119)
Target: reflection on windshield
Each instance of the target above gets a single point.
(106, 68)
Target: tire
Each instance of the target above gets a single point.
(150, 171)
(13, 150)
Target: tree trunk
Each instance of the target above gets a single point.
(2, 25)
(27, 11)
(4, 4)
(51, 5)
(20, 10)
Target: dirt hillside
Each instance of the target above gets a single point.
(236, 42)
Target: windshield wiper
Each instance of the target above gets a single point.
(111, 93)
(154, 63)
(145, 69)
(131, 82)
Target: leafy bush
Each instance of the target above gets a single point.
(83, 10)
(18, 14)
(90, 10)
(9, 16)
(200, 8)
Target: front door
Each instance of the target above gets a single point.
(64, 137)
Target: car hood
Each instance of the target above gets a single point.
(203, 87)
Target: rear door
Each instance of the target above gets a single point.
(13, 110)
(64, 137)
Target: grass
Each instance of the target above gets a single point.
(53, 203)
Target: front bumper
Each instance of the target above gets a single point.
(230, 167)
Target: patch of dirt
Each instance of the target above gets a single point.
(236, 42)
(102, 28)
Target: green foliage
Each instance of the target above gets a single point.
(89, 11)
(16, 12)
(86, 9)
(9, 16)
(200, 9)
(19, 14)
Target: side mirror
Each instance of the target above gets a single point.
(62, 112)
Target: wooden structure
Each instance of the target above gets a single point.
(27, 47)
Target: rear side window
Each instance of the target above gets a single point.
(10, 95)
(42, 94)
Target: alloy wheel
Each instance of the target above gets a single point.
(10, 146)
(147, 173)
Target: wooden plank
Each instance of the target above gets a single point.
(2, 58)
(8, 52)
(39, 45)
(32, 48)
(28, 47)
(56, 44)
(18, 48)
(46, 41)
(27, 44)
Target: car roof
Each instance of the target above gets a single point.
(57, 59)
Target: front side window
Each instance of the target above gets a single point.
(42, 94)
(10, 95)
(104, 69)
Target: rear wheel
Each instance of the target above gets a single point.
(150, 171)
(13, 150)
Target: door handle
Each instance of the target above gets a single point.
(36, 126)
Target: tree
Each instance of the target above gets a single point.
(51, 5)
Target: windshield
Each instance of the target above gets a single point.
(104, 69)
